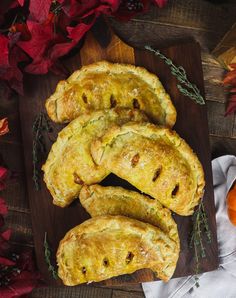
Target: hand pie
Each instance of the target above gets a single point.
(105, 85)
(99, 200)
(156, 161)
(69, 164)
(107, 246)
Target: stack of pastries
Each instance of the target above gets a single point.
(120, 122)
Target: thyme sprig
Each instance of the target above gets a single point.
(200, 227)
(192, 90)
(47, 254)
(40, 125)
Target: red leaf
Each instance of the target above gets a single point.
(20, 287)
(84, 8)
(76, 33)
(40, 65)
(160, 3)
(231, 108)
(3, 173)
(61, 49)
(4, 62)
(39, 10)
(232, 65)
(3, 126)
(39, 47)
(22, 29)
(21, 2)
(3, 176)
(26, 261)
(12, 74)
(6, 235)
(9, 70)
(6, 262)
(3, 207)
(41, 35)
(230, 78)
(24, 282)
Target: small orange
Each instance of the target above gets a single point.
(231, 202)
(232, 216)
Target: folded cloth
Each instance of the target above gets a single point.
(220, 283)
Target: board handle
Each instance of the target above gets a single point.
(101, 43)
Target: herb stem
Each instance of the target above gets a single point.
(47, 254)
(200, 225)
(179, 72)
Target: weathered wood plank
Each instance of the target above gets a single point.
(213, 83)
(68, 292)
(137, 33)
(225, 51)
(20, 223)
(202, 15)
(234, 127)
(116, 51)
(222, 145)
(219, 125)
(15, 195)
(125, 294)
(163, 35)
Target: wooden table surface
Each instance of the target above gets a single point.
(180, 20)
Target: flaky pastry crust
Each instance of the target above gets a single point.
(104, 85)
(107, 246)
(113, 200)
(69, 164)
(156, 161)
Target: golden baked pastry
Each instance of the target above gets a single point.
(107, 246)
(110, 200)
(104, 85)
(69, 164)
(156, 161)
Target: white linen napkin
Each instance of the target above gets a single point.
(220, 283)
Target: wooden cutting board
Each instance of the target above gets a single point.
(191, 124)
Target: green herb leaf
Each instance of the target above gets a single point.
(47, 254)
(200, 226)
(179, 72)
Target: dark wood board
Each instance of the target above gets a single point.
(191, 125)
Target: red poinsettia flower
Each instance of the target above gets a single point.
(230, 82)
(49, 30)
(46, 45)
(22, 29)
(129, 8)
(21, 277)
(10, 57)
